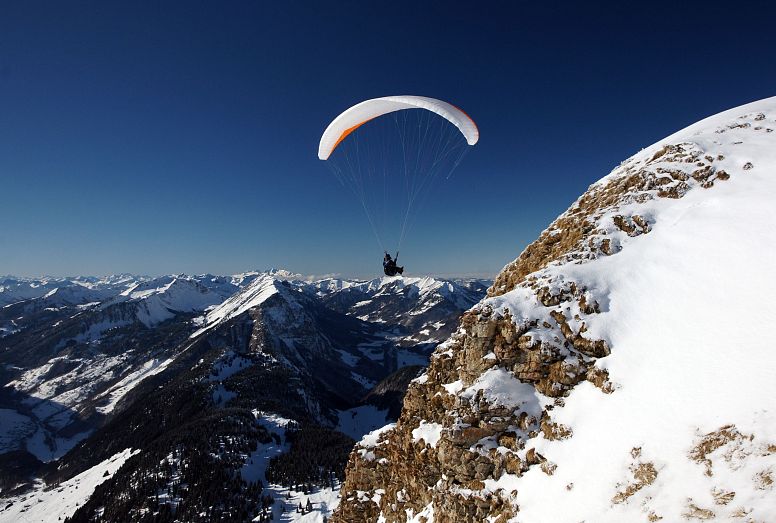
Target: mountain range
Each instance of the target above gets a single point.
(95, 368)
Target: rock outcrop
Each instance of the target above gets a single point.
(474, 428)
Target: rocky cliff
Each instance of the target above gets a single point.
(619, 369)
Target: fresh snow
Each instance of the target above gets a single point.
(451, 388)
(222, 396)
(500, 388)
(420, 288)
(687, 310)
(65, 390)
(428, 432)
(372, 440)
(256, 465)
(54, 402)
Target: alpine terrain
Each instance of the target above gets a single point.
(620, 369)
(196, 398)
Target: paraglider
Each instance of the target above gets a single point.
(389, 152)
(353, 118)
(389, 265)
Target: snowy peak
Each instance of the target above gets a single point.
(328, 285)
(622, 205)
(75, 295)
(63, 291)
(254, 294)
(621, 369)
(160, 299)
(14, 290)
(140, 290)
(283, 274)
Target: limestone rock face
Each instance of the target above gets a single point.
(474, 428)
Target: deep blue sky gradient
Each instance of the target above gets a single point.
(160, 137)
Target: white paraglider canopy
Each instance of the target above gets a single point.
(392, 163)
(359, 114)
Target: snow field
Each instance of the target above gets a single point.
(49, 505)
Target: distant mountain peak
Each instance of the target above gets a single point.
(254, 294)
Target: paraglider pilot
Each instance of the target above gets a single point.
(389, 265)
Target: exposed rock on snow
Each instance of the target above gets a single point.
(620, 369)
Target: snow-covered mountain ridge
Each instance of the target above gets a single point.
(620, 369)
(89, 363)
(14, 289)
(254, 294)
(421, 309)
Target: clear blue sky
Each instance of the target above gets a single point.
(161, 137)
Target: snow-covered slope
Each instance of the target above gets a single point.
(690, 430)
(622, 368)
(65, 363)
(253, 295)
(160, 299)
(49, 505)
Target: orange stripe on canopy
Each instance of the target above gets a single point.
(347, 132)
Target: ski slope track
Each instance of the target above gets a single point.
(621, 368)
